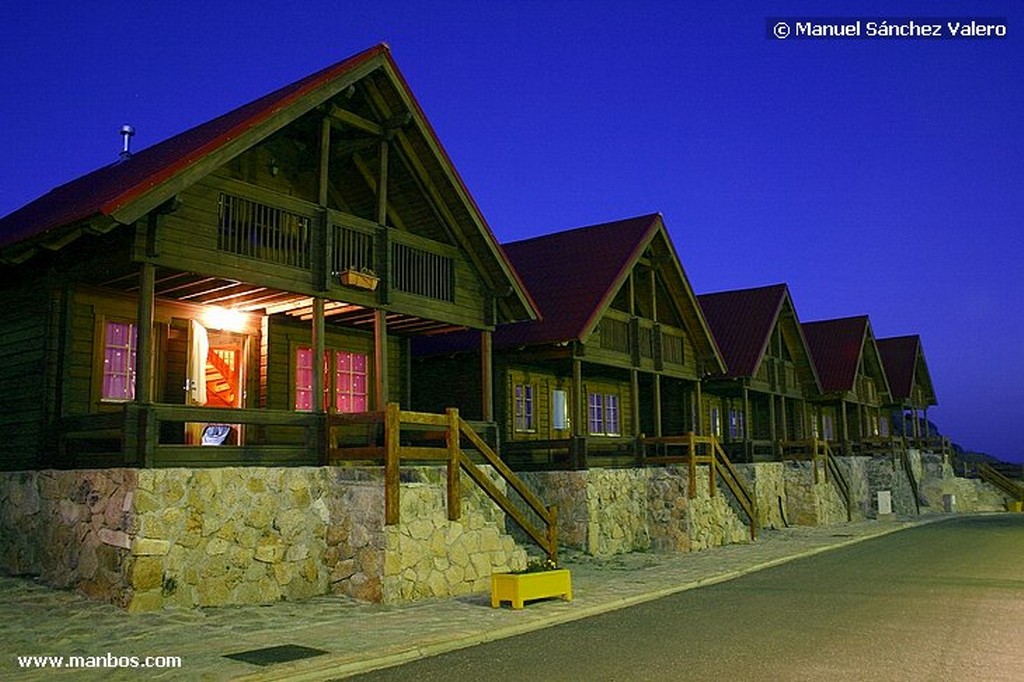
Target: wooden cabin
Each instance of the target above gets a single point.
(849, 412)
(618, 352)
(209, 299)
(912, 389)
(761, 401)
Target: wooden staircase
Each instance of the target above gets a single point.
(439, 438)
(706, 450)
(1009, 486)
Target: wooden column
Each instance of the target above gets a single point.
(382, 185)
(657, 405)
(486, 377)
(576, 405)
(634, 400)
(146, 433)
(144, 340)
(319, 346)
(699, 426)
(380, 357)
(844, 426)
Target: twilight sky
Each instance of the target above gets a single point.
(881, 177)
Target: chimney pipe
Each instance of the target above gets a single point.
(126, 132)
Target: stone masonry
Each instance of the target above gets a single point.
(145, 539)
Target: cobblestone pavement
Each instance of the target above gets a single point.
(357, 636)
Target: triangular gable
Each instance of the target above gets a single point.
(839, 347)
(123, 192)
(742, 322)
(574, 275)
(903, 358)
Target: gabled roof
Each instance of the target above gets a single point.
(106, 190)
(742, 322)
(838, 348)
(903, 358)
(122, 192)
(574, 275)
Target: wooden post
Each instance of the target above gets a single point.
(634, 401)
(452, 441)
(692, 443)
(713, 463)
(144, 338)
(486, 377)
(657, 405)
(146, 438)
(380, 357)
(576, 409)
(698, 428)
(382, 185)
(392, 480)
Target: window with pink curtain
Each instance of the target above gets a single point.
(304, 379)
(119, 361)
(350, 382)
(349, 372)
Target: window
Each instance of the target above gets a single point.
(524, 408)
(345, 381)
(603, 414)
(119, 352)
(559, 410)
(350, 382)
(736, 425)
(716, 423)
(826, 426)
(611, 415)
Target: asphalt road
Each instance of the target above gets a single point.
(944, 601)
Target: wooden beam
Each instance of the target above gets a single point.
(355, 121)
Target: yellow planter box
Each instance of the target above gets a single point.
(1014, 505)
(517, 588)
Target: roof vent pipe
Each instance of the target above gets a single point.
(126, 132)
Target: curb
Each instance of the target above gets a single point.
(339, 667)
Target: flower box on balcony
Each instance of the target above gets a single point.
(518, 588)
(359, 279)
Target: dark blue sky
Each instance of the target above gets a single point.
(879, 177)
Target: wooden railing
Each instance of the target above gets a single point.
(426, 430)
(904, 456)
(705, 450)
(137, 435)
(1001, 481)
(823, 461)
(839, 481)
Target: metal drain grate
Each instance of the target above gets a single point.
(276, 654)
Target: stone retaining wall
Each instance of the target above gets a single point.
(149, 538)
(606, 512)
(968, 494)
(809, 503)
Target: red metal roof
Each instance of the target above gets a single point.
(899, 357)
(742, 322)
(570, 274)
(103, 191)
(836, 347)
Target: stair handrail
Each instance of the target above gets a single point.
(738, 487)
(546, 539)
(990, 475)
(909, 470)
(838, 480)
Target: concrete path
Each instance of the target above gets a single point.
(357, 637)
